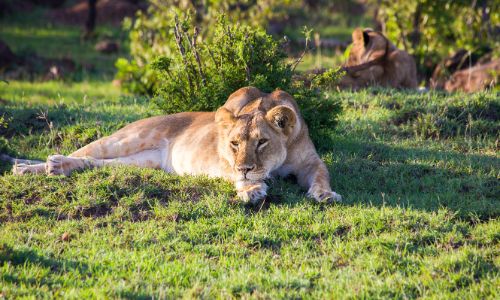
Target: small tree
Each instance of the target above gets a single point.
(200, 74)
(91, 17)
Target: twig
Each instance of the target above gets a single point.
(196, 55)
(299, 59)
(212, 57)
(403, 34)
(178, 40)
(247, 68)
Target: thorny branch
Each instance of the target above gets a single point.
(178, 41)
(196, 54)
(299, 59)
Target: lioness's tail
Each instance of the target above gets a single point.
(14, 160)
(24, 166)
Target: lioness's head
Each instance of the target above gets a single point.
(253, 142)
(367, 45)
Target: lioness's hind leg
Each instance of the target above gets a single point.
(24, 166)
(23, 169)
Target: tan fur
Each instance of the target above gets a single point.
(252, 137)
(396, 68)
(477, 78)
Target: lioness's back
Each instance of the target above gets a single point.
(145, 134)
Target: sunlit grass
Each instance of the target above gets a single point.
(36, 36)
(419, 217)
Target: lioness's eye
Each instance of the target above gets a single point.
(262, 142)
(234, 143)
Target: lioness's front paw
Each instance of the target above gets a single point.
(252, 193)
(324, 195)
(54, 165)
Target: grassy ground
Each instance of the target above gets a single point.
(420, 216)
(419, 174)
(32, 33)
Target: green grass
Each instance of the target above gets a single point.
(318, 60)
(419, 174)
(30, 33)
(420, 216)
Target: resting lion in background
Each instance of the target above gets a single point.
(252, 137)
(374, 60)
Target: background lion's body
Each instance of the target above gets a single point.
(393, 68)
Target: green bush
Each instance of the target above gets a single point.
(151, 33)
(200, 73)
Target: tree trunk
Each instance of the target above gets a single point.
(415, 35)
(91, 17)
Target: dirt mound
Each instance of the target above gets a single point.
(107, 46)
(108, 11)
(50, 3)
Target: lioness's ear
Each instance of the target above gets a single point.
(360, 36)
(357, 35)
(282, 118)
(224, 117)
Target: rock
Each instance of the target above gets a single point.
(107, 46)
(475, 79)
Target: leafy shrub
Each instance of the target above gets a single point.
(200, 73)
(151, 33)
(5, 147)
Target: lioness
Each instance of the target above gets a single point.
(253, 136)
(477, 78)
(374, 60)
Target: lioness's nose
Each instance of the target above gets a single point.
(245, 168)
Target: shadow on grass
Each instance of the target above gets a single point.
(134, 295)
(367, 173)
(378, 174)
(24, 120)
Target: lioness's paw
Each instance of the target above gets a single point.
(252, 194)
(54, 165)
(20, 169)
(23, 169)
(324, 196)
